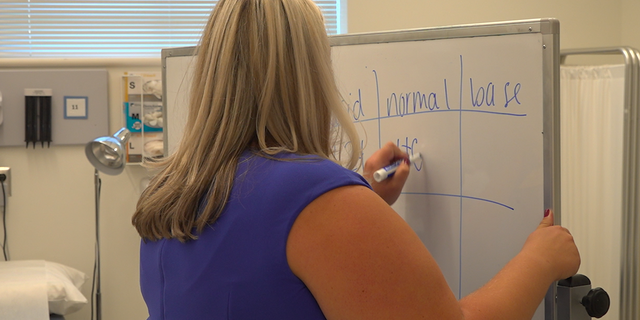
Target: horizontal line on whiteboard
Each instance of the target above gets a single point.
(458, 196)
(452, 110)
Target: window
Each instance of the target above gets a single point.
(112, 28)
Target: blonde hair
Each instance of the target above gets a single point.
(263, 80)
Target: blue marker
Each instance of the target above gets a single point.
(389, 170)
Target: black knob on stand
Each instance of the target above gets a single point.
(596, 302)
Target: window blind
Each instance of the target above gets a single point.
(112, 28)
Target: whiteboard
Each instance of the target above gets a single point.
(479, 103)
(177, 69)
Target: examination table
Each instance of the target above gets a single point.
(38, 289)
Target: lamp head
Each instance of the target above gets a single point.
(107, 153)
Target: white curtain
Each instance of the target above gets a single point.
(592, 112)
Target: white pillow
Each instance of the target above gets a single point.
(63, 288)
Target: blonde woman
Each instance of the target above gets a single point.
(251, 219)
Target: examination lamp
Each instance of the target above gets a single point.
(106, 154)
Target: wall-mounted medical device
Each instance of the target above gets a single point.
(37, 106)
(53, 106)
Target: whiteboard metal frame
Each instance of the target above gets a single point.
(167, 54)
(630, 257)
(544, 26)
(549, 28)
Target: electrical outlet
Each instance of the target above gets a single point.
(7, 182)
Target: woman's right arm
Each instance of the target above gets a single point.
(362, 261)
(549, 254)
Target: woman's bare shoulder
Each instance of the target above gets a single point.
(363, 261)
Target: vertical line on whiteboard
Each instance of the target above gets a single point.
(378, 98)
(460, 128)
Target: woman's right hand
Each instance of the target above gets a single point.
(555, 248)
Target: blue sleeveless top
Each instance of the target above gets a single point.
(237, 268)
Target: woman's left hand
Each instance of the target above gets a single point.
(388, 189)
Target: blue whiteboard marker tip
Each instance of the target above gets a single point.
(391, 169)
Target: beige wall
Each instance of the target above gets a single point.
(583, 23)
(51, 210)
(51, 213)
(630, 23)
